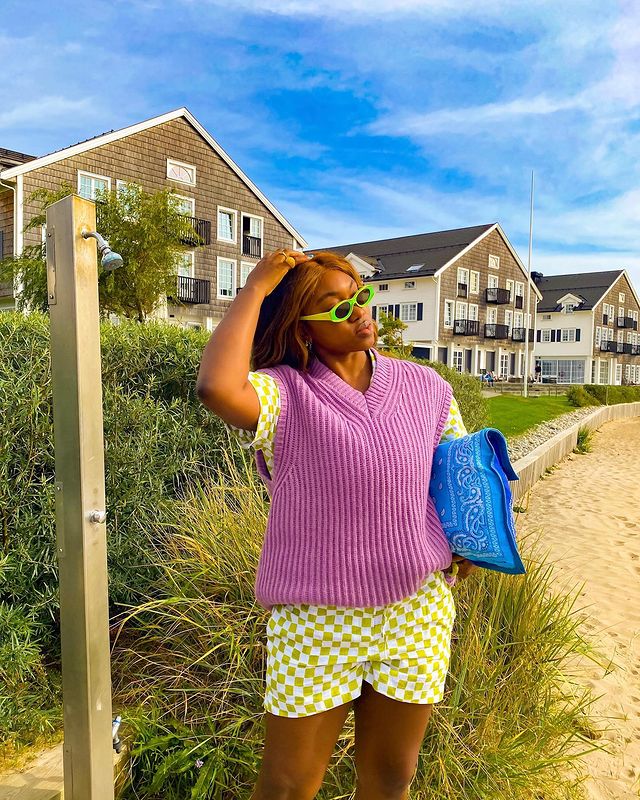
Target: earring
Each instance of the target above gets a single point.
(308, 344)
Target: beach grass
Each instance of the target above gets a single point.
(188, 673)
(514, 415)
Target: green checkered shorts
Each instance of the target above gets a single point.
(318, 656)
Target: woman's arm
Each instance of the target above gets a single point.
(222, 383)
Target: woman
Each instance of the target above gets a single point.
(354, 559)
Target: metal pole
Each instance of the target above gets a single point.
(72, 285)
(527, 311)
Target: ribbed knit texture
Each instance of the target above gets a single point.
(351, 522)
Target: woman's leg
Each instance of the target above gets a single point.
(296, 754)
(388, 736)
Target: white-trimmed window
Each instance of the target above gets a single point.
(518, 320)
(449, 307)
(621, 296)
(598, 335)
(89, 184)
(185, 205)
(457, 360)
(494, 262)
(546, 316)
(245, 269)
(509, 287)
(183, 173)
(409, 284)
(621, 311)
(568, 335)
(252, 238)
(630, 338)
(473, 312)
(121, 186)
(227, 224)
(461, 310)
(226, 278)
(620, 337)
(186, 264)
(508, 319)
(492, 281)
(408, 312)
(545, 335)
(474, 282)
(383, 287)
(634, 315)
(492, 316)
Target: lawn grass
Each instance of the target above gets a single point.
(514, 415)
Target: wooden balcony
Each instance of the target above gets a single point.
(193, 290)
(494, 331)
(466, 327)
(611, 346)
(626, 322)
(494, 294)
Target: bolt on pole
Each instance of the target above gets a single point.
(72, 285)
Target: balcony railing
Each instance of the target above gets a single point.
(463, 290)
(466, 327)
(627, 348)
(201, 234)
(193, 290)
(251, 246)
(519, 301)
(627, 322)
(519, 334)
(494, 331)
(611, 346)
(635, 349)
(493, 294)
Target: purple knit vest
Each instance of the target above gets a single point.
(351, 522)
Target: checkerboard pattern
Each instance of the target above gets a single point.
(318, 656)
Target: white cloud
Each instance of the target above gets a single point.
(46, 111)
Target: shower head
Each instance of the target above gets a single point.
(108, 259)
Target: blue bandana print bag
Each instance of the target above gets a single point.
(470, 489)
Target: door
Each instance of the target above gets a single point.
(491, 360)
(442, 355)
(467, 360)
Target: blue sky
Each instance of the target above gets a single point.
(362, 119)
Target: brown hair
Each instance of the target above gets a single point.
(278, 338)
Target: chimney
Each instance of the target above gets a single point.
(537, 277)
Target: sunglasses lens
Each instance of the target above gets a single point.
(343, 311)
(363, 296)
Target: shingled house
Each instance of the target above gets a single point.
(587, 328)
(235, 221)
(462, 293)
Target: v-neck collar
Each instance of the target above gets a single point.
(377, 396)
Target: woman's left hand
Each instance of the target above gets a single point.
(463, 567)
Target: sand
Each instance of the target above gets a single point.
(587, 513)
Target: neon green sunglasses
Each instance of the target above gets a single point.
(343, 309)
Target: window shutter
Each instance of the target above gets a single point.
(577, 334)
(538, 335)
(373, 312)
(553, 336)
(558, 336)
(420, 305)
(396, 311)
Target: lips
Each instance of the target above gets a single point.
(363, 326)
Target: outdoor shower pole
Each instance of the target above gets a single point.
(72, 285)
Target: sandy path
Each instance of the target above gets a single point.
(588, 514)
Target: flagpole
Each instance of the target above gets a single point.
(527, 313)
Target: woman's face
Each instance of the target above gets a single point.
(357, 332)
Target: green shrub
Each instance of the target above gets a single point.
(584, 442)
(578, 396)
(188, 673)
(612, 395)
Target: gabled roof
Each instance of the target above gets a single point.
(423, 254)
(590, 287)
(115, 135)
(12, 158)
(433, 250)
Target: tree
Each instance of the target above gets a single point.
(390, 331)
(147, 229)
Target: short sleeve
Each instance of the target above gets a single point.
(454, 426)
(269, 396)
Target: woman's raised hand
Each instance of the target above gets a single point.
(268, 272)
